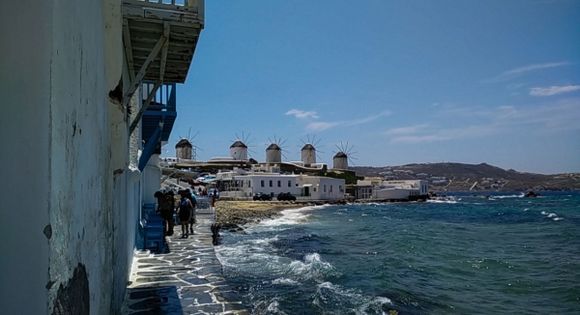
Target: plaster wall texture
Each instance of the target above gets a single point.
(80, 198)
(334, 187)
(24, 126)
(239, 153)
(57, 72)
(151, 179)
(256, 184)
(340, 163)
(308, 156)
(183, 153)
(273, 156)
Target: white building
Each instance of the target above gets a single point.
(392, 189)
(321, 188)
(239, 184)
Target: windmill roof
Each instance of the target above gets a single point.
(183, 143)
(308, 146)
(238, 144)
(273, 146)
(340, 155)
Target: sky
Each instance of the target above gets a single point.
(399, 81)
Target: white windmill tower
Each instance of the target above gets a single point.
(274, 150)
(343, 154)
(308, 151)
(185, 149)
(239, 149)
(273, 154)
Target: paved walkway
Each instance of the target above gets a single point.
(185, 280)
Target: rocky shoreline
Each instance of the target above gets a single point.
(234, 214)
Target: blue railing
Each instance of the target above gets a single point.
(157, 121)
(164, 99)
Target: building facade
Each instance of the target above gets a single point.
(236, 185)
(321, 188)
(71, 93)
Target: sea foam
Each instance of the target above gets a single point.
(332, 296)
(312, 268)
(291, 216)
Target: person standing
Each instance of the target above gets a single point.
(185, 212)
(192, 221)
(165, 207)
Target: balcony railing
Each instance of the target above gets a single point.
(195, 5)
(164, 98)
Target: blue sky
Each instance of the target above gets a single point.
(403, 81)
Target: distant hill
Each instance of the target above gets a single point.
(463, 177)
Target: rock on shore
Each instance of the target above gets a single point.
(232, 214)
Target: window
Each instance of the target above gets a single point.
(262, 182)
(270, 183)
(249, 183)
(289, 183)
(330, 188)
(324, 188)
(314, 189)
(340, 188)
(279, 183)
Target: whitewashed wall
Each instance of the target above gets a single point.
(318, 191)
(25, 181)
(151, 179)
(256, 186)
(60, 60)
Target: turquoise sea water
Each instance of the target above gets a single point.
(501, 255)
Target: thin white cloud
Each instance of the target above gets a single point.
(405, 130)
(547, 118)
(320, 125)
(418, 138)
(301, 114)
(534, 67)
(324, 125)
(513, 73)
(367, 119)
(423, 135)
(553, 90)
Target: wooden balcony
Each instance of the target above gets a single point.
(160, 38)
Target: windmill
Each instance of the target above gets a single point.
(274, 151)
(308, 152)
(343, 155)
(239, 149)
(185, 149)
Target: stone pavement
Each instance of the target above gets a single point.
(186, 279)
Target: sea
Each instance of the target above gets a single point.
(497, 253)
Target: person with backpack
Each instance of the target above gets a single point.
(192, 220)
(185, 212)
(165, 208)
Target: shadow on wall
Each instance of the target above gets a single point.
(154, 300)
(74, 298)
